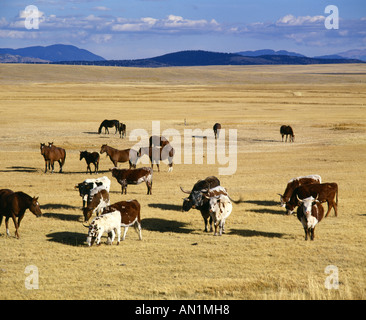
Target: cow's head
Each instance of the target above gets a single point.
(282, 200)
(92, 234)
(307, 204)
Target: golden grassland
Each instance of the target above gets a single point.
(263, 254)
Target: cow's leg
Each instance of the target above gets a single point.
(113, 235)
(124, 233)
(205, 220)
(312, 233)
(138, 229)
(330, 205)
(306, 233)
(149, 187)
(118, 230)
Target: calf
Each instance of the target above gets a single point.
(133, 176)
(130, 215)
(97, 201)
(325, 192)
(297, 182)
(310, 213)
(88, 185)
(220, 209)
(110, 223)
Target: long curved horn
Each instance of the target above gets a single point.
(299, 199)
(316, 199)
(185, 190)
(85, 225)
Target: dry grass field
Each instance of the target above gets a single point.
(263, 254)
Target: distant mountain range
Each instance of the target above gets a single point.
(67, 54)
(53, 53)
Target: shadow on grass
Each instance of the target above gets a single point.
(254, 233)
(166, 206)
(69, 238)
(162, 225)
(19, 169)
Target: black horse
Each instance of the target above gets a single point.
(90, 157)
(108, 124)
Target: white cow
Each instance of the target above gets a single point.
(220, 209)
(87, 186)
(110, 223)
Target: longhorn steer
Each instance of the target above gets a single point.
(130, 215)
(196, 200)
(109, 222)
(325, 192)
(97, 201)
(220, 209)
(310, 213)
(133, 176)
(297, 182)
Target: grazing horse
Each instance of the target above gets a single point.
(216, 129)
(156, 154)
(14, 205)
(287, 131)
(90, 157)
(51, 154)
(108, 124)
(120, 155)
(122, 130)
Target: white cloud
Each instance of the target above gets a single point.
(291, 20)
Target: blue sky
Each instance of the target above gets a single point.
(129, 29)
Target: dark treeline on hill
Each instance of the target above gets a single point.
(207, 58)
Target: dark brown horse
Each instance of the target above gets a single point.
(216, 129)
(51, 154)
(90, 157)
(157, 154)
(108, 124)
(116, 155)
(14, 205)
(122, 130)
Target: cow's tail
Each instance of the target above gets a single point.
(236, 201)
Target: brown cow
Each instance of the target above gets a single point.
(310, 213)
(130, 215)
(97, 201)
(297, 182)
(324, 192)
(133, 176)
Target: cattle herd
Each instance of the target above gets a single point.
(307, 193)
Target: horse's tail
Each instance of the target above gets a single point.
(63, 158)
